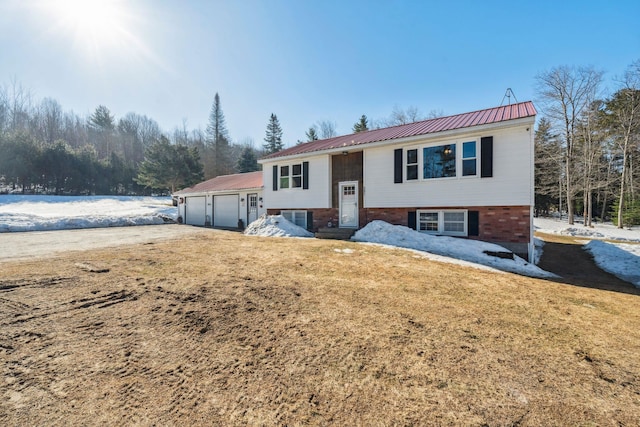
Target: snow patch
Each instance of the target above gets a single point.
(44, 213)
(467, 250)
(598, 231)
(620, 259)
(275, 226)
(344, 251)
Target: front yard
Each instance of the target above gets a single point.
(220, 328)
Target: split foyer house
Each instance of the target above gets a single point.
(469, 175)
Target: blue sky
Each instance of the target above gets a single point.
(303, 60)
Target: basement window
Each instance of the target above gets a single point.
(449, 222)
(299, 218)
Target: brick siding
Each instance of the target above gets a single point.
(498, 224)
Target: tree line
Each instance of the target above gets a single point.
(44, 149)
(587, 145)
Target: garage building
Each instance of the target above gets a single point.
(227, 201)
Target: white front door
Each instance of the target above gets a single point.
(252, 207)
(348, 204)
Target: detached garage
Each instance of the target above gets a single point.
(228, 201)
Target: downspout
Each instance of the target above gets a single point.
(532, 246)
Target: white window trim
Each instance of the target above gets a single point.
(293, 213)
(290, 176)
(462, 158)
(441, 230)
(407, 164)
(459, 160)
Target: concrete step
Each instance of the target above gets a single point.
(335, 233)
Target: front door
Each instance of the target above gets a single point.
(252, 207)
(348, 204)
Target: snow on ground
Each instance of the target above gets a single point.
(43, 213)
(598, 231)
(275, 226)
(461, 249)
(619, 259)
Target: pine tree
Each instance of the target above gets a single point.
(247, 162)
(312, 134)
(169, 167)
(102, 126)
(218, 161)
(362, 125)
(548, 168)
(273, 138)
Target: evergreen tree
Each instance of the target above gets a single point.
(312, 134)
(247, 162)
(102, 126)
(169, 167)
(218, 161)
(548, 168)
(362, 125)
(273, 138)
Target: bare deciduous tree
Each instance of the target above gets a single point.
(624, 110)
(563, 93)
(327, 129)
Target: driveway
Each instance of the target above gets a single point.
(565, 257)
(35, 244)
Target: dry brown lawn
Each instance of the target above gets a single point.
(221, 329)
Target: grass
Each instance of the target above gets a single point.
(220, 328)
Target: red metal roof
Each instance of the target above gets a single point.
(239, 181)
(440, 124)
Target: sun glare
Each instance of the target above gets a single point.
(94, 25)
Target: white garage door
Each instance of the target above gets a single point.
(225, 211)
(196, 210)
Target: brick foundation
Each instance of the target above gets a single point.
(508, 226)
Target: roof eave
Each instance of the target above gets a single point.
(208, 192)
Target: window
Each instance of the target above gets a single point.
(428, 221)
(469, 158)
(439, 161)
(284, 176)
(299, 218)
(412, 164)
(453, 223)
(296, 176)
(291, 176)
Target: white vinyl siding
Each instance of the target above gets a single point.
(317, 196)
(510, 184)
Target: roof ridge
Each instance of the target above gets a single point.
(420, 127)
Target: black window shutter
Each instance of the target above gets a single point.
(486, 157)
(412, 220)
(309, 220)
(305, 175)
(397, 166)
(473, 226)
(275, 178)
